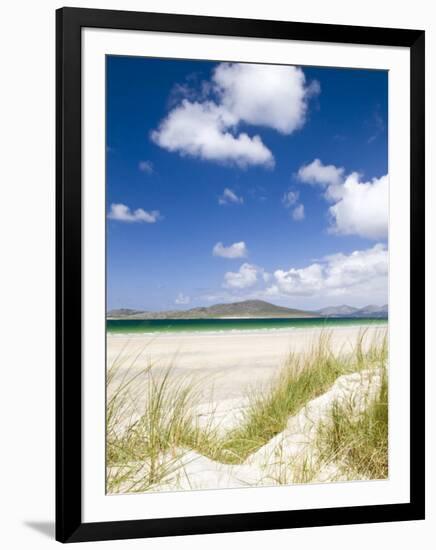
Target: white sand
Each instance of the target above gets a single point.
(274, 462)
(228, 363)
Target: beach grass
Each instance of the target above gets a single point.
(358, 446)
(144, 444)
(152, 436)
(302, 379)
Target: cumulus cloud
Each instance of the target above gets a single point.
(363, 272)
(235, 250)
(146, 166)
(182, 299)
(245, 277)
(298, 213)
(122, 213)
(202, 130)
(358, 277)
(318, 173)
(229, 196)
(265, 95)
(359, 207)
(261, 95)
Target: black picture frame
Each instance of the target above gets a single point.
(69, 525)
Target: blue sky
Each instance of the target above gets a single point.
(234, 181)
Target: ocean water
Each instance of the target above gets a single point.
(136, 326)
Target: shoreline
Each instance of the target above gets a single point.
(174, 330)
(237, 332)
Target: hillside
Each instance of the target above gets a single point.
(247, 308)
(333, 311)
(251, 309)
(379, 312)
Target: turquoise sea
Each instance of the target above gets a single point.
(134, 326)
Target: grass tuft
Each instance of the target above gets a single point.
(144, 442)
(302, 379)
(359, 446)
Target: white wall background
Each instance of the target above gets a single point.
(27, 210)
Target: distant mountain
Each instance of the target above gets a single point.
(123, 312)
(250, 309)
(379, 312)
(247, 308)
(333, 311)
(373, 311)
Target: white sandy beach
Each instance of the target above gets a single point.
(228, 362)
(226, 365)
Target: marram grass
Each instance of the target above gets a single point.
(358, 446)
(142, 445)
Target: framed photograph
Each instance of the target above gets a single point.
(240, 275)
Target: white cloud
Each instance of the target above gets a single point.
(359, 207)
(264, 95)
(121, 212)
(359, 278)
(229, 196)
(146, 166)
(244, 278)
(202, 130)
(290, 198)
(318, 173)
(298, 213)
(261, 95)
(235, 250)
(363, 272)
(182, 299)
(302, 281)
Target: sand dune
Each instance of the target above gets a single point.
(296, 443)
